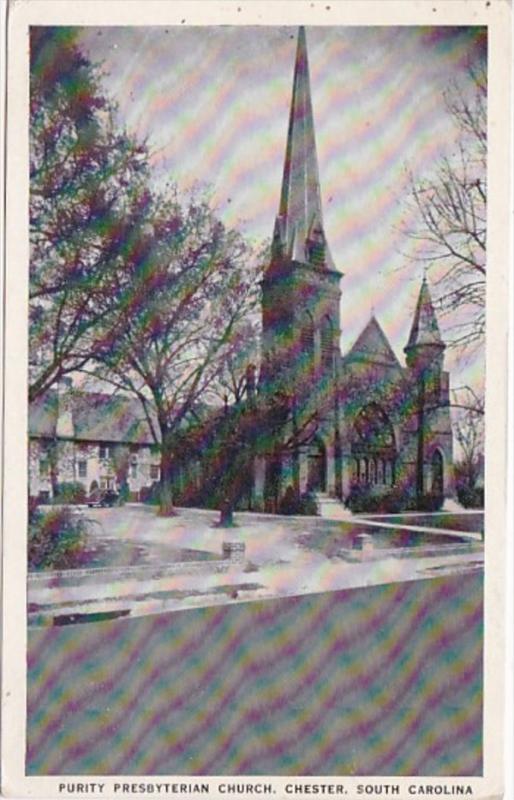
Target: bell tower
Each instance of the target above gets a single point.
(300, 288)
(424, 354)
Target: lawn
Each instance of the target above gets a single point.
(331, 543)
(466, 523)
(137, 535)
(107, 551)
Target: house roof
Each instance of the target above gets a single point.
(96, 417)
(43, 415)
(372, 345)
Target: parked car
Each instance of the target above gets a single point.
(105, 499)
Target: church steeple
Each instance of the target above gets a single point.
(425, 343)
(424, 330)
(299, 233)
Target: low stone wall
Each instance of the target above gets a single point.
(365, 551)
(233, 554)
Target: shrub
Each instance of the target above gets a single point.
(308, 505)
(304, 505)
(470, 497)
(70, 493)
(430, 501)
(289, 504)
(150, 494)
(56, 540)
(123, 494)
(362, 498)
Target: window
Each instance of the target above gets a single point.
(44, 467)
(154, 472)
(133, 470)
(373, 428)
(104, 451)
(307, 338)
(82, 469)
(374, 445)
(327, 343)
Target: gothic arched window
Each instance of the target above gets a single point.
(374, 441)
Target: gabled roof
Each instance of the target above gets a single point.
(43, 415)
(101, 417)
(96, 417)
(300, 201)
(425, 329)
(372, 345)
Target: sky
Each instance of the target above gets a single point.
(213, 105)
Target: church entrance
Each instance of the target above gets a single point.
(317, 468)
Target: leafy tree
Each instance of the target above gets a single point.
(262, 424)
(184, 292)
(451, 209)
(86, 184)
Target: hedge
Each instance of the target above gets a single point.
(56, 540)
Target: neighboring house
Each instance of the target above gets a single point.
(100, 441)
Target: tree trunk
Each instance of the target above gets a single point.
(166, 508)
(226, 513)
(53, 459)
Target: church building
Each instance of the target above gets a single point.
(362, 420)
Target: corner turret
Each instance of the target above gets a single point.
(425, 347)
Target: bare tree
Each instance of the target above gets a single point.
(231, 383)
(469, 433)
(451, 207)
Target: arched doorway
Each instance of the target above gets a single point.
(317, 467)
(437, 474)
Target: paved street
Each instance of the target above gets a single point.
(380, 680)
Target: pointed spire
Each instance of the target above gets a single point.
(300, 201)
(425, 329)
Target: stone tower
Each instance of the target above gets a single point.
(431, 452)
(300, 308)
